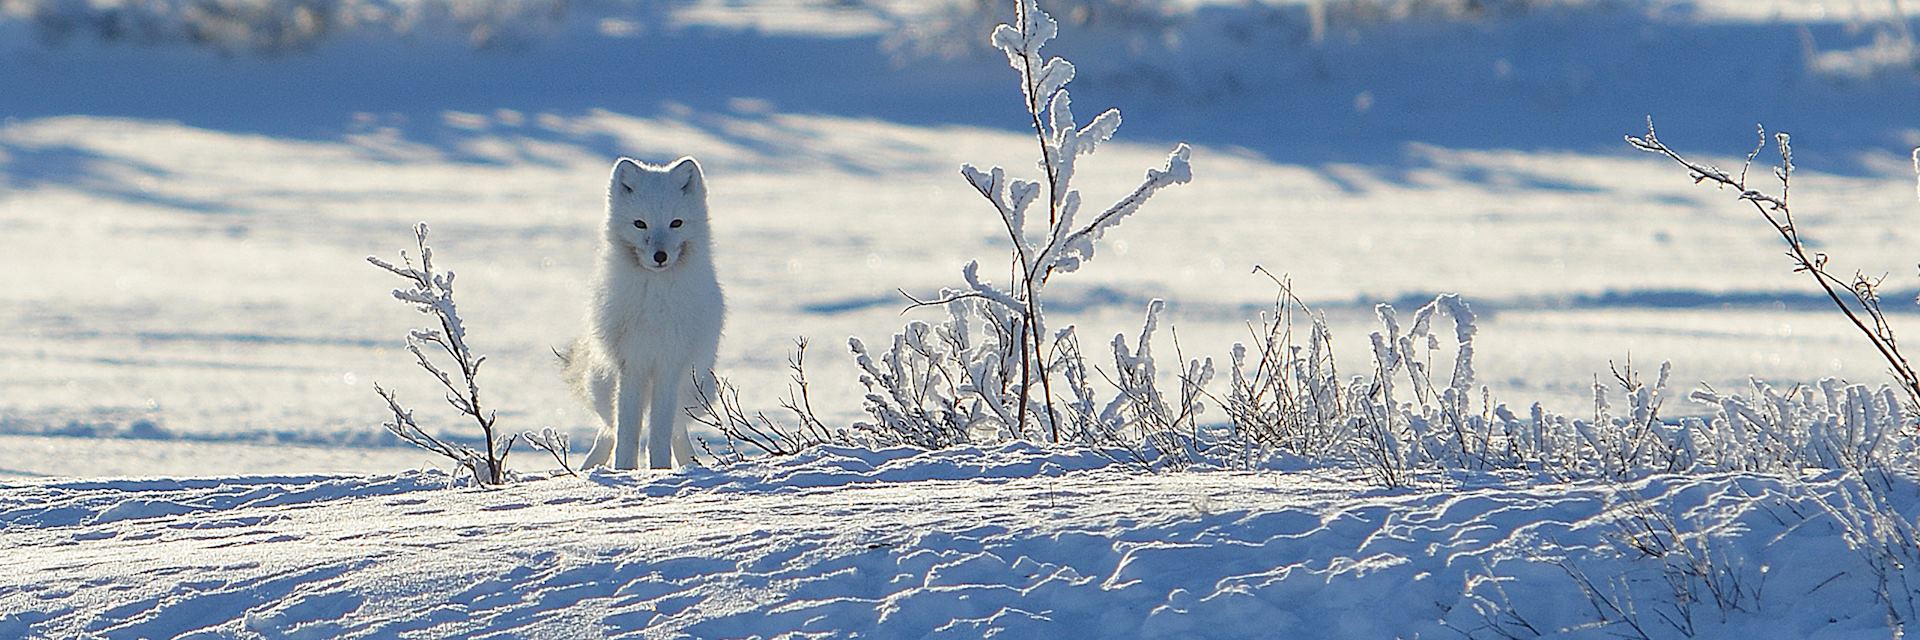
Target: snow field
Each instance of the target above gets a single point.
(146, 457)
(215, 300)
(961, 543)
(184, 233)
(183, 290)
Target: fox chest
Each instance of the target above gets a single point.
(676, 325)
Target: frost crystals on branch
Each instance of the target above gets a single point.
(431, 293)
(1861, 300)
(555, 443)
(987, 372)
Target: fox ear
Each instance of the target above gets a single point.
(686, 173)
(626, 174)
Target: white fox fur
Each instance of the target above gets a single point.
(654, 322)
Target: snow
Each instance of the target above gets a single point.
(190, 445)
(1016, 540)
(101, 455)
(215, 298)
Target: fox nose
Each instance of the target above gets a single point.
(659, 257)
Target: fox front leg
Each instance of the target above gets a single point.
(629, 404)
(664, 406)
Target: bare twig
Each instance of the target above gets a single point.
(554, 443)
(723, 412)
(1861, 293)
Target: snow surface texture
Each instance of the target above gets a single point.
(962, 543)
(183, 228)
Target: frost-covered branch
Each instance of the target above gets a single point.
(1861, 302)
(988, 371)
(404, 426)
(431, 293)
(555, 443)
(1067, 255)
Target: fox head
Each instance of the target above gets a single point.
(657, 215)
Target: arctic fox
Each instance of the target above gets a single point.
(654, 322)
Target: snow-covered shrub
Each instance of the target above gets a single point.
(1285, 395)
(274, 26)
(1402, 434)
(1140, 422)
(988, 371)
(1833, 425)
(1401, 423)
(1415, 412)
(431, 292)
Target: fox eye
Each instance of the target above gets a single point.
(626, 186)
(639, 224)
(675, 224)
